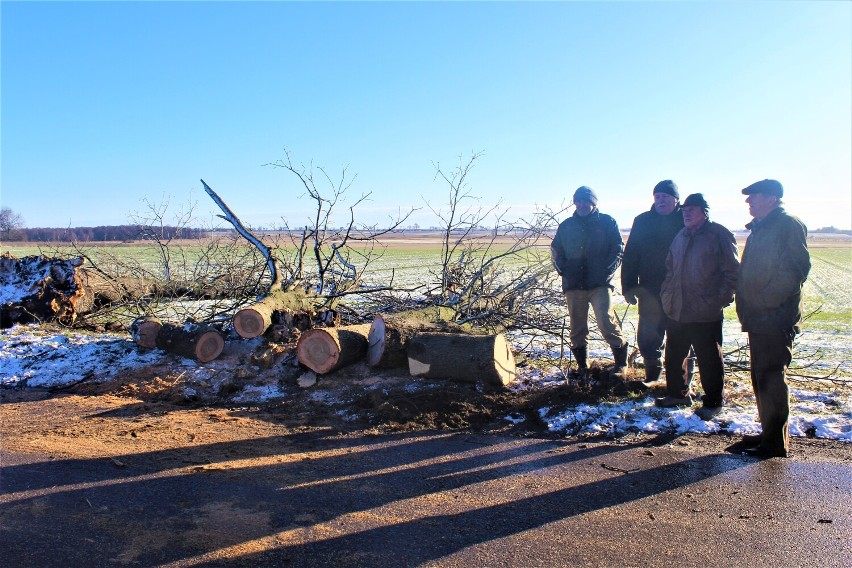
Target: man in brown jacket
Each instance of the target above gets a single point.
(701, 276)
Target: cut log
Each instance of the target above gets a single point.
(193, 340)
(144, 331)
(469, 358)
(389, 334)
(326, 349)
(254, 320)
(40, 289)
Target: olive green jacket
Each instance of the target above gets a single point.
(774, 267)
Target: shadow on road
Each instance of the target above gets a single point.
(318, 499)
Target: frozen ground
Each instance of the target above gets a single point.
(50, 357)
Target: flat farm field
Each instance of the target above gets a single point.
(414, 259)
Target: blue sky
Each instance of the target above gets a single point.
(105, 104)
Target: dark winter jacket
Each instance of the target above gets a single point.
(774, 268)
(647, 248)
(701, 274)
(587, 251)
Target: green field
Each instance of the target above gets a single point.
(827, 293)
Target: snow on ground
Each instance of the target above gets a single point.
(34, 356)
(813, 414)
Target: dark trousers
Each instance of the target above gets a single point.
(652, 326)
(706, 339)
(770, 356)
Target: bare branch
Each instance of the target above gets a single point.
(230, 217)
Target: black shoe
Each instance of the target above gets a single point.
(751, 440)
(670, 401)
(761, 452)
(653, 370)
(707, 413)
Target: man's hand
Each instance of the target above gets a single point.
(630, 296)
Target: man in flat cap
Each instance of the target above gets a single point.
(644, 269)
(701, 276)
(775, 265)
(586, 252)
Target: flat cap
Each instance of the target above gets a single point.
(767, 186)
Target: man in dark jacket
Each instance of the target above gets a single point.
(586, 252)
(701, 276)
(774, 268)
(644, 270)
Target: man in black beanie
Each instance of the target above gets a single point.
(644, 270)
(701, 276)
(774, 268)
(586, 252)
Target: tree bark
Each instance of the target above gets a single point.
(389, 334)
(193, 340)
(144, 331)
(469, 358)
(327, 349)
(255, 320)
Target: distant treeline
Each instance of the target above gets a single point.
(117, 233)
(833, 230)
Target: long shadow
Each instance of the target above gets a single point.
(113, 516)
(389, 450)
(419, 541)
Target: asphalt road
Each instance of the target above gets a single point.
(315, 499)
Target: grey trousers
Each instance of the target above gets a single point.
(578, 312)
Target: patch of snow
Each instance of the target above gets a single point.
(36, 356)
(643, 416)
(262, 393)
(323, 397)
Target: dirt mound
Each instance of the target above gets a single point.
(360, 397)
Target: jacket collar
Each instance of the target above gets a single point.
(677, 210)
(771, 216)
(593, 215)
(700, 229)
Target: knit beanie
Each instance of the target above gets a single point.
(587, 194)
(698, 200)
(667, 186)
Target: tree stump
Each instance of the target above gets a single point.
(144, 331)
(469, 358)
(254, 320)
(41, 289)
(326, 349)
(389, 335)
(193, 340)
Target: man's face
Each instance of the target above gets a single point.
(664, 203)
(760, 204)
(693, 217)
(583, 207)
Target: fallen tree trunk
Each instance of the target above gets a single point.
(144, 331)
(193, 340)
(254, 320)
(40, 289)
(326, 349)
(469, 358)
(389, 334)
